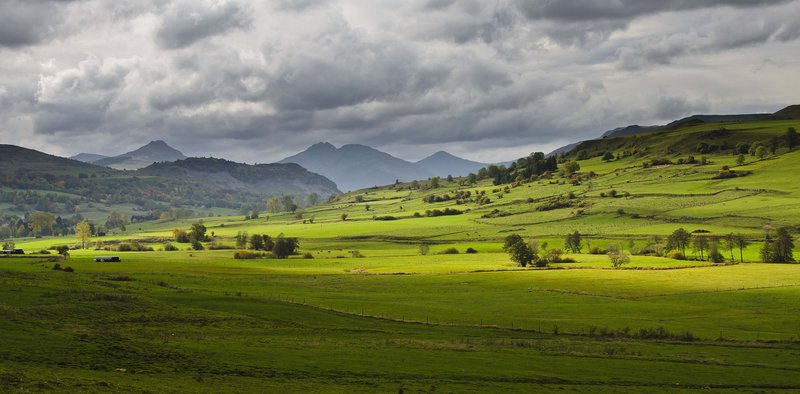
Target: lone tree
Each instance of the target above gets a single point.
(84, 231)
(679, 239)
(783, 246)
(198, 233)
(519, 251)
(573, 242)
(618, 256)
(344, 217)
(608, 156)
(63, 250)
(791, 138)
(273, 205)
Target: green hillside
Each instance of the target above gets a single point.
(382, 295)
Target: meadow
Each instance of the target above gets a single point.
(361, 309)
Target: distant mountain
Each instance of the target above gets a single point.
(88, 157)
(264, 179)
(17, 160)
(443, 164)
(790, 112)
(355, 166)
(153, 152)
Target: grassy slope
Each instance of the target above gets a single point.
(207, 321)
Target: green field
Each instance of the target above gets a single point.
(398, 321)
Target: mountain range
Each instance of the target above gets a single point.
(356, 166)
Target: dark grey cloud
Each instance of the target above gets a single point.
(29, 22)
(589, 10)
(188, 22)
(254, 81)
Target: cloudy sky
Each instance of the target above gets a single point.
(255, 81)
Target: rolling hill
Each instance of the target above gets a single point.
(32, 180)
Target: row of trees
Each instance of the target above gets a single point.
(282, 247)
(778, 247)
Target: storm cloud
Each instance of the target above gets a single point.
(257, 81)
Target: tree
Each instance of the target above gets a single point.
(449, 179)
(344, 217)
(573, 242)
(730, 243)
(741, 243)
(571, 167)
(700, 243)
(84, 231)
(116, 220)
(617, 256)
(198, 232)
(679, 239)
(472, 178)
(773, 144)
(423, 249)
(783, 246)
(767, 250)
(241, 239)
(608, 156)
(791, 138)
(9, 245)
(273, 205)
(713, 250)
(63, 250)
(740, 159)
(761, 152)
(284, 247)
(288, 203)
(313, 199)
(519, 251)
(181, 236)
(257, 242)
(41, 223)
(434, 182)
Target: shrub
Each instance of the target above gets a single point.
(308, 255)
(68, 269)
(56, 267)
(384, 218)
(124, 247)
(169, 247)
(44, 251)
(219, 246)
(597, 250)
(471, 251)
(196, 245)
(676, 254)
(449, 251)
(356, 254)
(245, 255)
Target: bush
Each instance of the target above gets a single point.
(169, 247)
(44, 251)
(68, 269)
(196, 245)
(57, 267)
(676, 254)
(449, 251)
(597, 250)
(246, 255)
(308, 255)
(384, 218)
(471, 251)
(219, 246)
(125, 247)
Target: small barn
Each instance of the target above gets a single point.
(107, 259)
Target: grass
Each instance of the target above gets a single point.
(398, 321)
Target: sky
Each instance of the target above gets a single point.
(255, 81)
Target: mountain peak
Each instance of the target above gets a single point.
(322, 147)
